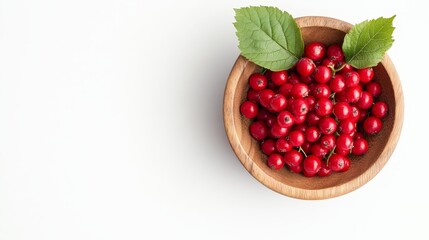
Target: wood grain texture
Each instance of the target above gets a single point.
(362, 170)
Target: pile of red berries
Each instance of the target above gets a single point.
(311, 117)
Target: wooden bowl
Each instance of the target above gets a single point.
(362, 169)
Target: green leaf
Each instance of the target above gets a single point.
(367, 42)
(268, 37)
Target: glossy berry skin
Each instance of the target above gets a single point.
(328, 62)
(318, 150)
(342, 152)
(366, 74)
(360, 146)
(355, 113)
(345, 67)
(268, 146)
(249, 109)
(337, 83)
(324, 171)
(296, 138)
(374, 88)
(293, 158)
(327, 125)
(342, 110)
(380, 109)
(312, 119)
(312, 134)
(344, 142)
(265, 97)
(315, 51)
(258, 81)
(328, 141)
(353, 94)
(337, 163)
(283, 145)
(259, 130)
(271, 119)
(335, 53)
(346, 126)
(352, 79)
(324, 107)
(365, 101)
(372, 125)
(296, 169)
(321, 90)
(322, 74)
(300, 119)
(286, 89)
(253, 95)
(277, 131)
(299, 107)
(275, 161)
(285, 119)
(305, 66)
(358, 135)
(278, 102)
(300, 90)
(279, 78)
(311, 165)
(311, 102)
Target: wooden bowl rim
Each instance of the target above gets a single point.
(312, 194)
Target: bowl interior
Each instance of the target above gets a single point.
(327, 35)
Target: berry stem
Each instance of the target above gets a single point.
(263, 70)
(303, 152)
(330, 154)
(336, 70)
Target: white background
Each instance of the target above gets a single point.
(111, 127)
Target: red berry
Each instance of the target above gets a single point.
(322, 74)
(379, 109)
(335, 53)
(258, 81)
(265, 97)
(296, 138)
(365, 101)
(324, 107)
(279, 78)
(311, 102)
(344, 142)
(366, 74)
(352, 79)
(315, 51)
(253, 95)
(299, 107)
(374, 88)
(278, 103)
(327, 125)
(285, 119)
(321, 90)
(293, 158)
(337, 83)
(305, 67)
(277, 131)
(345, 69)
(342, 110)
(312, 134)
(328, 62)
(360, 146)
(337, 163)
(307, 79)
(286, 89)
(318, 150)
(372, 125)
(355, 113)
(328, 141)
(271, 119)
(358, 135)
(342, 152)
(324, 171)
(268, 146)
(259, 130)
(312, 165)
(347, 126)
(249, 109)
(306, 146)
(296, 169)
(300, 119)
(312, 119)
(263, 114)
(275, 161)
(301, 127)
(299, 90)
(283, 145)
(353, 94)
